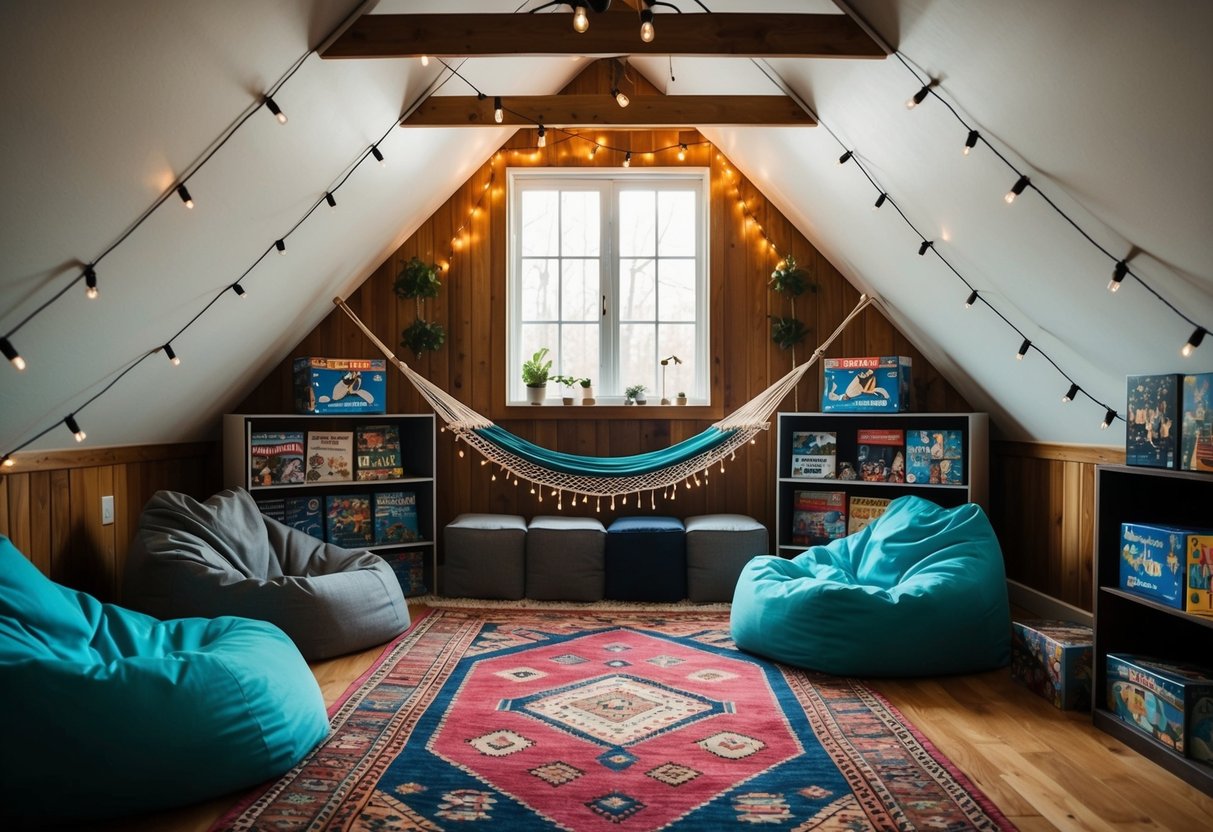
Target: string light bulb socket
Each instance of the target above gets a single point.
(1108, 418)
(682, 152)
(627, 159)
(1023, 349)
(330, 199)
(90, 283)
(280, 245)
(378, 154)
(171, 355)
(926, 244)
(918, 97)
(972, 299)
(1070, 394)
(10, 352)
(239, 290)
(184, 193)
(542, 141)
(880, 200)
(620, 97)
(1118, 274)
(273, 107)
(498, 110)
(581, 19)
(74, 427)
(1193, 343)
(846, 157)
(1016, 189)
(647, 32)
(971, 141)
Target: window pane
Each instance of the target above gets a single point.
(580, 224)
(539, 290)
(539, 229)
(637, 290)
(676, 290)
(637, 229)
(637, 355)
(580, 299)
(579, 351)
(676, 224)
(679, 340)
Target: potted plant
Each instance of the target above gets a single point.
(587, 391)
(566, 388)
(535, 376)
(635, 394)
(680, 399)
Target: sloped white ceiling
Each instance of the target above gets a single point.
(1106, 104)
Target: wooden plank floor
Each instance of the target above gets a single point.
(1045, 769)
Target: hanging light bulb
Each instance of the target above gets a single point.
(90, 283)
(1023, 349)
(971, 141)
(918, 98)
(184, 193)
(682, 152)
(581, 20)
(926, 244)
(1016, 189)
(972, 299)
(171, 356)
(846, 157)
(273, 108)
(647, 32)
(498, 110)
(280, 245)
(627, 159)
(10, 352)
(593, 151)
(880, 201)
(8, 461)
(330, 199)
(70, 421)
(425, 60)
(378, 155)
(1108, 419)
(239, 290)
(1070, 394)
(620, 98)
(542, 141)
(1118, 274)
(1193, 342)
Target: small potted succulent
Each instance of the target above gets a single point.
(535, 376)
(566, 388)
(681, 399)
(635, 394)
(587, 391)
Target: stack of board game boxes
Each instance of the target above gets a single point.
(1169, 421)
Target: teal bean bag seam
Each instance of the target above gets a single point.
(921, 591)
(110, 712)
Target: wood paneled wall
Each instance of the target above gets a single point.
(472, 308)
(1042, 504)
(50, 506)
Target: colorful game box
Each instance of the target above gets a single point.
(880, 455)
(1172, 703)
(378, 453)
(330, 456)
(348, 520)
(876, 384)
(409, 566)
(861, 511)
(935, 457)
(1196, 424)
(340, 385)
(1198, 594)
(1053, 659)
(396, 517)
(275, 458)
(818, 517)
(1153, 560)
(1152, 433)
(813, 454)
(304, 514)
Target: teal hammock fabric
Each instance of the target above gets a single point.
(595, 466)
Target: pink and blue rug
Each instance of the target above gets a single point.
(598, 720)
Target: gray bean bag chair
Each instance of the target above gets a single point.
(223, 557)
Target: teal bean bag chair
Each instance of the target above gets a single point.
(921, 591)
(109, 712)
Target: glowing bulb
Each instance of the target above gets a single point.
(425, 60)
(581, 20)
(918, 98)
(627, 159)
(1108, 419)
(272, 106)
(1118, 274)
(1023, 349)
(972, 299)
(647, 32)
(498, 111)
(971, 141)
(90, 283)
(80, 435)
(1193, 342)
(1016, 189)
(171, 356)
(543, 140)
(682, 152)
(184, 193)
(1070, 394)
(10, 352)
(620, 98)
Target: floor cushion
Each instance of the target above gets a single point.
(718, 547)
(485, 557)
(223, 557)
(920, 591)
(564, 558)
(110, 712)
(646, 559)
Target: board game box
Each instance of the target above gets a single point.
(818, 517)
(1053, 659)
(1196, 424)
(340, 385)
(409, 567)
(880, 455)
(814, 454)
(1198, 594)
(873, 384)
(275, 458)
(378, 452)
(861, 511)
(1152, 432)
(348, 520)
(330, 456)
(1153, 560)
(934, 457)
(1172, 703)
(396, 517)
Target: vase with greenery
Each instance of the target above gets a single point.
(420, 281)
(535, 372)
(635, 394)
(587, 391)
(680, 399)
(567, 383)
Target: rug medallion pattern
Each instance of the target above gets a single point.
(529, 720)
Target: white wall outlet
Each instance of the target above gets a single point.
(107, 510)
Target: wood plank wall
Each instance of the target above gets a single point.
(471, 307)
(50, 505)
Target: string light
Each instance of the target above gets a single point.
(239, 290)
(425, 60)
(971, 141)
(7, 461)
(627, 159)
(1193, 343)
(647, 32)
(972, 299)
(1023, 349)
(1070, 394)
(581, 20)
(330, 199)
(926, 244)
(542, 141)
(1016, 189)
(74, 427)
(880, 200)
(682, 152)
(918, 97)
(171, 356)
(273, 108)
(594, 151)
(1118, 274)
(10, 352)
(378, 155)
(1108, 418)
(184, 193)
(498, 110)
(90, 283)
(620, 98)
(846, 157)
(280, 245)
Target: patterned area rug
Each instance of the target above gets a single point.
(609, 720)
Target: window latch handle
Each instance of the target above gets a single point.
(604, 306)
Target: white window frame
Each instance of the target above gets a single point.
(607, 385)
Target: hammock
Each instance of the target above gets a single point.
(593, 476)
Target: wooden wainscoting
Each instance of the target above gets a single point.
(1042, 502)
(50, 505)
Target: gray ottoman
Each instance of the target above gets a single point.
(718, 546)
(485, 556)
(564, 559)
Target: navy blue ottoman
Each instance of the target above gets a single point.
(646, 559)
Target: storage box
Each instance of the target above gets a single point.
(1153, 560)
(1198, 591)
(340, 385)
(1172, 703)
(1053, 659)
(1196, 424)
(1152, 433)
(877, 384)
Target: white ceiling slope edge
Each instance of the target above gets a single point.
(1106, 104)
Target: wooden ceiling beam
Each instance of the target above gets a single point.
(722, 34)
(597, 110)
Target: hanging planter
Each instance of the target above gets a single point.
(787, 332)
(791, 281)
(420, 281)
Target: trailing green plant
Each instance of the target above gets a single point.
(585, 383)
(420, 281)
(787, 332)
(535, 370)
(634, 391)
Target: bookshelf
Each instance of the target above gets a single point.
(974, 429)
(1127, 623)
(417, 440)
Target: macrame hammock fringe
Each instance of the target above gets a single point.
(688, 462)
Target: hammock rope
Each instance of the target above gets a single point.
(592, 476)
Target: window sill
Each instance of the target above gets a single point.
(609, 411)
